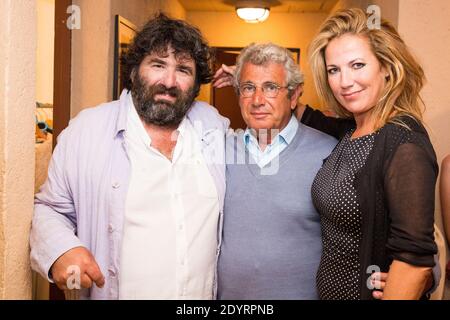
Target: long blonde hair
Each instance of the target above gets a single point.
(401, 94)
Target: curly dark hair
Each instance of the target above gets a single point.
(156, 36)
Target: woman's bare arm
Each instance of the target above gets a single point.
(405, 281)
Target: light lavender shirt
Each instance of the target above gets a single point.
(82, 203)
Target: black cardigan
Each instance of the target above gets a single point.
(395, 189)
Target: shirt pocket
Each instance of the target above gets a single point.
(198, 179)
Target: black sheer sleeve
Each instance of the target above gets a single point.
(410, 186)
(335, 127)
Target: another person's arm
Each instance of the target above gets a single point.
(409, 185)
(336, 127)
(224, 76)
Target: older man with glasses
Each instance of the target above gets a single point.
(271, 243)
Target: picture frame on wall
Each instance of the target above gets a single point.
(125, 32)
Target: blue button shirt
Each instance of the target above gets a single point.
(272, 150)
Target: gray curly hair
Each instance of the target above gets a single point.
(260, 54)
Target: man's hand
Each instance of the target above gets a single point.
(81, 258)
(224, 76)
(378, 280)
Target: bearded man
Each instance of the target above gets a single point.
(133, 202)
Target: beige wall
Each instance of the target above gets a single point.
(91, 50)
(345, 4)
(425, 27)
(225, 29)
(45, 50)
(170, 7)
(389, 10)
(17, 103)
(93, 45)
(139, 11)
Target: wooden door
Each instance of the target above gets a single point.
(225, 99)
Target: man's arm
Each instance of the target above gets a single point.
(336, 127)
(54, 220)
(53, 231)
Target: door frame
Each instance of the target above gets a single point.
(62, 76)
(62, 69)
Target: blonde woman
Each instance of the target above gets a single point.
(375, 192)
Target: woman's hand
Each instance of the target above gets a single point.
(224, 76)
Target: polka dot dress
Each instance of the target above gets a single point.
(334, 196)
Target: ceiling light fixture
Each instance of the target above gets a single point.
(252, 11)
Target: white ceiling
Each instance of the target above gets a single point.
(276, 5)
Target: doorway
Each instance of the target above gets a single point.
(53, 92)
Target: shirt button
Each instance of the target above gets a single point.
(111, 272)
(180, 227)
(110, 228)
(115, 185)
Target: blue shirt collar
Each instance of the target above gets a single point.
(285, 136)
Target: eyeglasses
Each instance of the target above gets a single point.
(269, 89)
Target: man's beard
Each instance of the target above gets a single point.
(160, 112)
